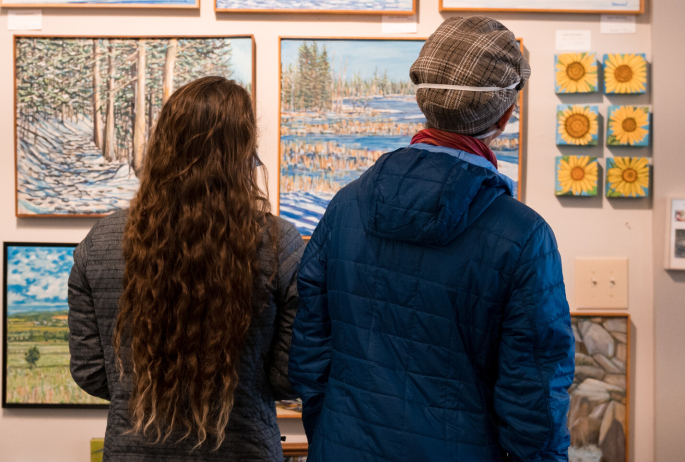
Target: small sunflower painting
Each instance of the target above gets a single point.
(576, 176)
(627, 177)
(628, 126)
(577, 125)
(625, 74)
(576, 73)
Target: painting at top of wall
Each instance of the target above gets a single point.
(85, 107)
(102, 3)
(341, 110)
(625, 74)
(36, 352)
(546, 6)
(577, 125)
(598, 416)
(317, 6)
(576, 73)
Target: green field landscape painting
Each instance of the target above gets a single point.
(36, 344)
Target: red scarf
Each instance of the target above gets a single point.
(464, 143)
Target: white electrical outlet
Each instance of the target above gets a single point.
(601, 283)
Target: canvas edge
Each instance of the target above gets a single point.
(629, 358)
(17, 214)
(5, 315)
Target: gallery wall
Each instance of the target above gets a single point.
(669, 286)
(585, 227)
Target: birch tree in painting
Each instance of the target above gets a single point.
(85, 108)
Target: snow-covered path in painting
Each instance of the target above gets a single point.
(61, 171)
(351, 5)
(304, 209)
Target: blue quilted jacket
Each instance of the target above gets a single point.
(433, 323)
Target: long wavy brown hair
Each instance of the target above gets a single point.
(190, 247)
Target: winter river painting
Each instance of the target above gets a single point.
(344, 103)
(85, 106)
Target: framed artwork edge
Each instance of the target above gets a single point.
(5, 314)
(295, 449)
(604, 314)
(17, 214)
(641, 10)
(418, 39)
(310, 11)
(671, 232)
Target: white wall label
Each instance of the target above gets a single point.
(399, 24)
(24, 19)
(574, 40)
(618, 24)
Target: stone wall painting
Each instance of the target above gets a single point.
(599, 413)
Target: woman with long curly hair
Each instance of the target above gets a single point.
(181, 308)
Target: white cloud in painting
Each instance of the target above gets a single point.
(38, 275)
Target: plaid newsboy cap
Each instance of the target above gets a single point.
(475, 52)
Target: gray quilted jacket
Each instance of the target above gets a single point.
(95, 286)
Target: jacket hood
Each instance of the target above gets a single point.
(427, 195)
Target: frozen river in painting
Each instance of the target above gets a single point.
(322, 153)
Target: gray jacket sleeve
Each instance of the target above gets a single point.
(87, 362)
(291, 246)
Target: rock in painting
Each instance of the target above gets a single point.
(598, 340)
(598, 417)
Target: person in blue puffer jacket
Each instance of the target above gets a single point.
(433, 323)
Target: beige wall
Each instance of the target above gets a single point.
(584, 227)
(669, 286)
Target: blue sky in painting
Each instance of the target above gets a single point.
(363, 56)
(242, 59)
(37, 278)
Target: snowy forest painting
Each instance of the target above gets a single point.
(318, 6)
(85, 107)
(344, 103)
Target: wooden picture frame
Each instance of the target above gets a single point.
(386, 39)
(85, 4)
(25, 214)
(588, 409)
(637, 11)
(55, 326)
(295, 449)
(393, 12)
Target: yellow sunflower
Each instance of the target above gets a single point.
(578, 175)
(577, 125)
(628, 176)
(625, 73)
(628, 125)
(576, 73)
